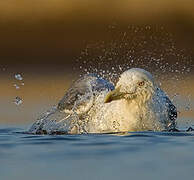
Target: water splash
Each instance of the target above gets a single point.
(148, 47)
(16, 86)
(18, 100)
(18, 77)
(151, 48)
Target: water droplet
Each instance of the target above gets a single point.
(18, 77)
(16, 86)
(18, 101)
(188, 108)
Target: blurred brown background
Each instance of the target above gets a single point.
(47, 42)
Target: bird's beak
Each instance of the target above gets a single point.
(114, 95)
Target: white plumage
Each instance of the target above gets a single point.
(93, 105)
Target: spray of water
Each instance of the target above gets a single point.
(147, 47)
(150, 48)
(18, 100)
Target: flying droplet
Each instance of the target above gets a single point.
(18, 101)
(18, 77)
(16, 86)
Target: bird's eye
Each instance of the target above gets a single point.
(141, 83)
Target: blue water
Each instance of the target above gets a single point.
(140, 155)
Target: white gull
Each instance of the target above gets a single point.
(94, 105)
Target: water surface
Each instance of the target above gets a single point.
(139, 155)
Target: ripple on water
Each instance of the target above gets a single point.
(57, 156)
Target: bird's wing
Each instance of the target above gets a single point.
(81, 94)
(76, 101)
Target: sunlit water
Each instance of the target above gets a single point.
(138, 155)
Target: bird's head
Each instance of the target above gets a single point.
(132, 84)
